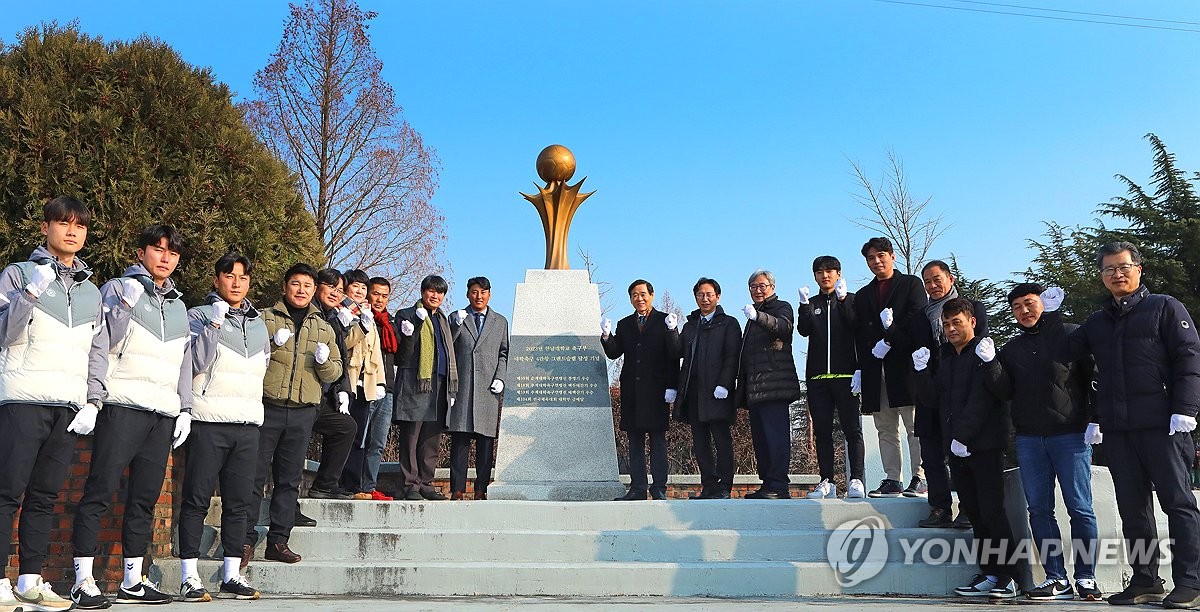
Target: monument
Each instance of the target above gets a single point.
(556, 427)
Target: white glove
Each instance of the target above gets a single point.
(282, 336)
(606, 326)
(41, 278)
(959, 449)
(669, 396)
(804, 295)
(881, 349)
(422, 313)
(219, 309)
(497, 386)
(322, 353)
(885, 317)
(672, 321)
(452, 402)
(750, 312)
(720, 392)
(85, 420)
(343, 402)
(856, 382)
(406, 328)
(1182, 423)
(986, 349)
(840, 289)
(380, 392)
(920, 359)
(183, 427)
(1052, 298)
(1093, 435)
(345, 317)
(131, 291)
(460, 315)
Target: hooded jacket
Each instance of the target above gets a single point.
(136, 345)
(294, 379)
(229, 362)
(44, 341)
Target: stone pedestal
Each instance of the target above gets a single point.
(556, 430)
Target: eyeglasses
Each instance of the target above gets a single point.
(708, 295)
(1124, 269)
(760, 286)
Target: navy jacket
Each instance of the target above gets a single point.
(1147, 359)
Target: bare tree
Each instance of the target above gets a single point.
(364, 172)
(896, 213)
(604, 286)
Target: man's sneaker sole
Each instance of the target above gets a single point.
(878, 495)
(1060, 596)
(223, 594)
(914, 494)
(30, 606)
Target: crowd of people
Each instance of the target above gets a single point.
(256, 384)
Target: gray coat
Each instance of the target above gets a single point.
(481, 360)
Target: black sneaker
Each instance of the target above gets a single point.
(193, 590)
(1136, 594)
(1005, 589)
(937, 519)
(887, 488)
(1182, 597)
(1087, 589)
(1051, 588)
(980, 586)
(962, 521)
(917, 488)
(87, 596)
(239, 588)
(315, 493)
(144, 592)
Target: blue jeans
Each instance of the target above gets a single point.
(1069, 459)
(378, 427)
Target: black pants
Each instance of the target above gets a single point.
(224, 453)
(1147, 459)
(637, 460)
(34, 457)
(979, 480)
(715, 474)
(337, 438)
(460, 450)
(824, 397)
(933, 456)
(770, 430)
(282, 448)
(141, 441)
(354, 474)
(419, 443)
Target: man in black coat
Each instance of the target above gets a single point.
(711, 341)
(767, 384)
(884, 311)
(925, 330)
(1148, 394)
(975, 429)
(650, 344)
(827, 320)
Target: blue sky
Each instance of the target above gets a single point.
(716, 134)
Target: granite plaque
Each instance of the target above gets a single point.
(562, 370)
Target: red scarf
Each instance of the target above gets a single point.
(387, 333)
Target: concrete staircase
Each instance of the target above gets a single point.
(680, 548)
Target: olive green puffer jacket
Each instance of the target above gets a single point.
(294, 378)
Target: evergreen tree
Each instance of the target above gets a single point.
(141, 137)
(994, 297)
(1067, 259)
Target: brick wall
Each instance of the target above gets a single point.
(59, 567)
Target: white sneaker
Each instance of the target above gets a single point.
(8, 601)
(824, 490)
(42, 598)
(856, 490)
(980, 586)
(1005, 590)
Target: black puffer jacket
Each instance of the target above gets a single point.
(1147, 360)
(968, 412)
(1049, 397)
(768, 371)
(828, 323)
(710, 360)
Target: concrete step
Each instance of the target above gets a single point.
(581, 546)
(726, 579)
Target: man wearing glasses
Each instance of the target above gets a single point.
(768, 383)
(1148, 393)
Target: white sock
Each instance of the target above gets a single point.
(133, 572)
(25, 582)
(993, 578)
(83, 569)
(189, 569)
(232, 569)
